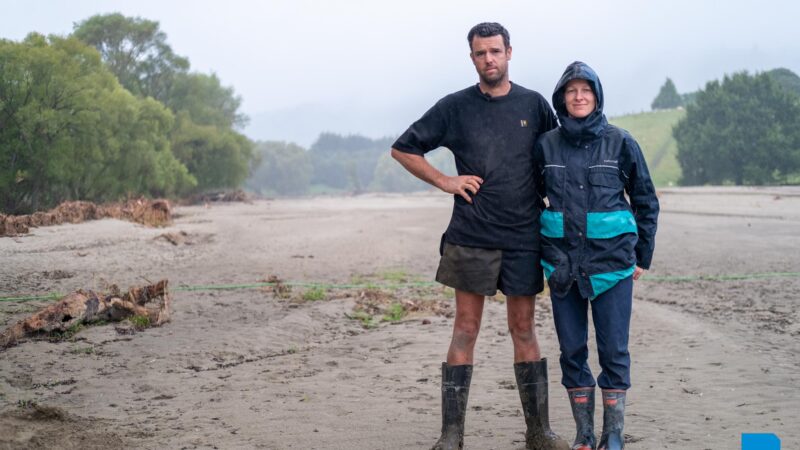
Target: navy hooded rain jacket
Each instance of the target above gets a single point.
(591, 235)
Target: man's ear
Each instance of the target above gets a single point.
(508, 52)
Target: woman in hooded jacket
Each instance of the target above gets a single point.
(595, 243)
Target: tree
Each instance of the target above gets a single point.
(689, 98)
(284, 169)
(69, 131)
(136, 51)
(346, 162)
(786, 79)
(217, 157)
(206, 101)
(667, 97)
(204, 139)
(390, 176)
(742, 130)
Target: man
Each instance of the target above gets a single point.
(492, 240)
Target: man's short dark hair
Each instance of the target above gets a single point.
(489, 29)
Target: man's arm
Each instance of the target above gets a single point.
(422, 169)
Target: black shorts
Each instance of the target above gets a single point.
(484, 271)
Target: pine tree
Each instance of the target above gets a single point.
(667, 97)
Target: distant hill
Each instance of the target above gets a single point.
(653, 132)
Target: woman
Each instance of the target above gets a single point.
(594, 244)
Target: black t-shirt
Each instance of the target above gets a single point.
(493, 138)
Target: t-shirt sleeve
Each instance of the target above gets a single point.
(424, 135)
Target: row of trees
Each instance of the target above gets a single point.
(337, 163)
(669, 98)
(111, 111)
(742, 130)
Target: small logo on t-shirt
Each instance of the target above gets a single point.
(523, 123)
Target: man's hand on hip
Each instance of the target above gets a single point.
(463, 185)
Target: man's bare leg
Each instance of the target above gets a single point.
(530, 371)
(522, 328)
(469, 311)
(457, 372)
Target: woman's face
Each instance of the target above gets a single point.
(579, 97)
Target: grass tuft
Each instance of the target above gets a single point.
(315, 294)
(367, 320)
(395, 313)
(140, 322)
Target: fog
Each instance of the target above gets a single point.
(366, 67)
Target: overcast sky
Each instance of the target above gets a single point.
(372, 67)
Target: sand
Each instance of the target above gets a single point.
(712, 357)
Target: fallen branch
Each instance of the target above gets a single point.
(85, 307)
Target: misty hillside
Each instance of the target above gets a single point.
(653, 131)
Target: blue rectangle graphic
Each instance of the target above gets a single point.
(760, 441)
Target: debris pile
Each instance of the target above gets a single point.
(147, 212)
(147, 305)
(220, 196)
(179, 238)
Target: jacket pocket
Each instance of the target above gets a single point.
(605, 177)
(556, 268)
(606, 189)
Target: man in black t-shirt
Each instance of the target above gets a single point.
(492, 241)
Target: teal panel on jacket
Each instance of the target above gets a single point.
(604, 225)
(552, 224)
(605, 281)
(548, 269)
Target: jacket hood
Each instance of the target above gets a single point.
(591, 125)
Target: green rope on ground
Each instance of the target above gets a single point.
(312, 285)
(230, 287)
(52, 296)
(724, 277)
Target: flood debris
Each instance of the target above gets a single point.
(277, 286)
(373, 306)
(219, 196)
(148, 305)
(148, 212)
(178, 238)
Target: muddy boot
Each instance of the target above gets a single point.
(455, 390)
(613, 420)
(532, 385)
(582, 402)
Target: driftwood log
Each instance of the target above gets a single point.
(85, 307)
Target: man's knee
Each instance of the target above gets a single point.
(467, 327)
(521, 329)
(520, 318)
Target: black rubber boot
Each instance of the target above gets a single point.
(455, 391)
(613, 420)
(582, 402)
(533, 388)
